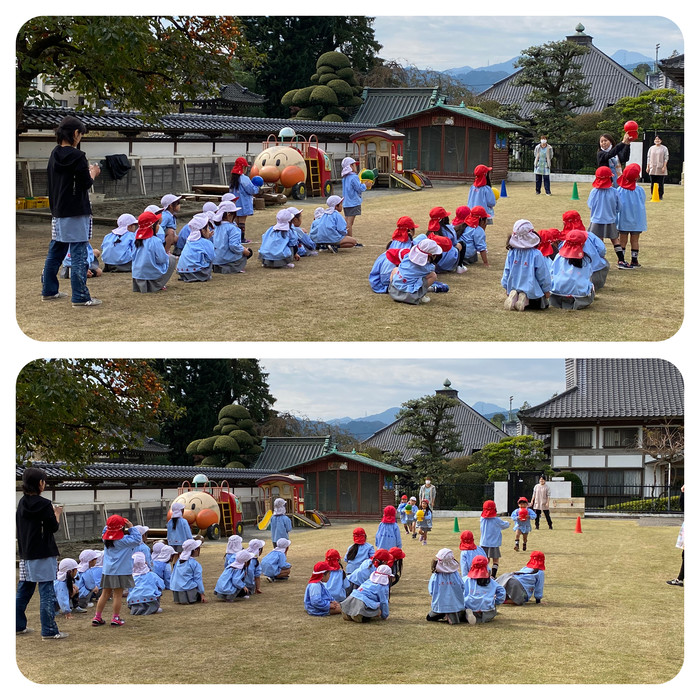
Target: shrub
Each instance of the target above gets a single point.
(323, 95)
(307, 113)
(193, 448)
(647, 505)
(341, 88)
(206, 446)
(576, 484)
(211, 461)
(326, 78)
(323, 70)
(498, 475)
(335, 59)
(302, 96)
(243, 439)
(234, 411)
(225, 443)
(235, 465)
(346, 74)
(246, 424)
(288, 98)
(332, 118)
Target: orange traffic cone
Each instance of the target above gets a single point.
(655, 193)
(578, 525)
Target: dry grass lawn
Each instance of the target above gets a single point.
(328, 298)
(609, 618)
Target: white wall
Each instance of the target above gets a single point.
(500, 495)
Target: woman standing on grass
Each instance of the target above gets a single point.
(540, 502)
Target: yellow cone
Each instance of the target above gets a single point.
(655, 193)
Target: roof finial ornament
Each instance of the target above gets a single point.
(580, 28)
(447, 383)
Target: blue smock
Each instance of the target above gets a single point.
(532, 582)
(143, 547)
(87, 582)
(604, 205)
(352, 190)
(474, 240)
(304, 241)
(466, 558)
(364, 552)
(388, 536)
(409, 277)
(186, 576)
(523, 525)
(427, 522)
(231, 581)
(245, 191)
(196, 255)
(448, 260)
(280, 527)
(374, 595)
(632, 215)
(400, 244)
(147, 588)
(317, 599)
(168, 220)
(447, 591)
(182, 237)
(594, 248)
(178, 531)
(482, 598)
(162, 569)
(569, 280)
(253, 571)
(60, 589)
(329, 228)
(227, 243)
(379, 275)
(90, 256)
(272, 564)
(526, 270)
(361, 573)
(338, 585)
(276, 245)
(150, 260)
(118, 250)
(482, 197)
(117, 559)
(490, 529)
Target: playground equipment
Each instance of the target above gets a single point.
(291, 489)
(381, 151)
(210, 509)
(296, 168)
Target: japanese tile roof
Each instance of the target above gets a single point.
(383, 466)
(190, 123)
(612, 388)
(609, 82)
(105, 471)
(235, 92)
(384, 104)
(281, 453)
(465, 112)
(475, 432)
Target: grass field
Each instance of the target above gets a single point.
(328, 298)
(609, 618)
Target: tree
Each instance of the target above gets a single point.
(68, 409)
(654, 110)
(520, 453)
(201, 386)
(498, 419)
(664, 443)
(128, 62)
(287, 424)
(553, 70)
(290, 46)
(641, 70)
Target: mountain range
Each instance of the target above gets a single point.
(480, 79)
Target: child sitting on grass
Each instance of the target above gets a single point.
(415, 274)
(446, 589)
(571, 274)
(481, 593)
(118, 245)
(371, 600)
(196, 260)
(403, 234)
(469, 551)
(359, 551)
(186, 579)
(525, 584)
(65, 588)
(144, 597)
(278, 248)
(317, 598)
(526, 276)
(274, 566)
(231, 584)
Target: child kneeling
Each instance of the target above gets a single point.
(481, 593)
(370, 600)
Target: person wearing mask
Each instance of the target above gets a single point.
(543, 165)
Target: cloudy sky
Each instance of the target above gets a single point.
(327, 389)
(442, 42)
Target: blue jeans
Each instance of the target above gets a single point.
(47, 606)
(538, 183)
(78, 270)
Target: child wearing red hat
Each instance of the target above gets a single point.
(403, 233)
(469, 551)
(527, 583)
(337, 584)
(481, 593)
(571, 274)
(388, 534)
(241, 186)
(632, 216)
(424, 521)
(605, 206)
(473, 237)
(384, 265)
(364, 571)
(152, 266)
(401, 512)
(441, 231)
(491, 527)
(522, 516)
(480, 193)
(594, 247)
(359, 551)
(317, 598)
(398, 555)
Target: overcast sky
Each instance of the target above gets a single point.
(327, 389)
(442, 42)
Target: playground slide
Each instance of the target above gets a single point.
(405, 182)
(318, 517)
(303, 520)
(264, 523)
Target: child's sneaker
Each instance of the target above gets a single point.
(517, 547)
(635, 263)
(116, 622)
(622, 265)
(53, 297)
(524, 547)
(461, 269)
(509, 303)
(522, 301)
(78, 609)
(290, 264)
(97, 621)
(675, 582)
(439, 287)
(425, 300)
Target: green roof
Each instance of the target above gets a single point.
(383, 466)
(465, 112)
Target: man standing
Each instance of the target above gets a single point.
(543, 165)
(428, 492)
(657, 165)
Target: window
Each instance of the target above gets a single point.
(478, 148)
(410, 159)
(454, 150)
(620, 437)
(569, 438)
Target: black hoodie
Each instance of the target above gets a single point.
(68, 182)
(36, 524)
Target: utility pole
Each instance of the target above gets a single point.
(510, 410)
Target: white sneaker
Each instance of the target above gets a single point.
(58, 635)
(290, 264)
(53, 297)
(90, 302)
(471, 618)
(522, 302)
(511, 299)
(425, 300)
(461, 269)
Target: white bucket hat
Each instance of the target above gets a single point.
(122, 222)
(524, 235)
(331, 203)
(381, 575)
(446, 562)
(168, 199)
(188, 546)
(419, 253)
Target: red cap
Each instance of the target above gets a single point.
(438, 213)
(320, 568)
(397, 553)
(461, 214)
(382, 556)
(333, 559)
(603, 178)
(466, 541)
(489, 509)
(115, 528)
(536, 560)
(359, 536)
(573, 245)
(572, 220)
(146, 222)
(444, 242)
(389, 515)
(479, 568)
(239, 166)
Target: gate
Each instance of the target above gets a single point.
(521, 484)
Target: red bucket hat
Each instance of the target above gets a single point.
(239, 166)
(461, 214)
(333, 559)
(572, 220)
(403, 225)
(396, 255)
(466, 541)
(389, 515)
(382, 556)
(359, 536)
(603, 178)
(547, 235)
(536, 561)
(444, 242)
(146, 222)
(115, 528)
(436, 214)
(479, 568)
(573, 245)
(489, 509)
(475, 215)
(397, 553)
(320, 568)
(629, 177)
(480, 173)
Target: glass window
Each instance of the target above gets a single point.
(454, 150)
(310, 491)
(620, 437)
(328, 491)
(348, 491)
(569, 438)
(369, 493)
(430, 148)
(479, 140)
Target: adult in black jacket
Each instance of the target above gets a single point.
(612, 155)
(37, 520)
(69, 179)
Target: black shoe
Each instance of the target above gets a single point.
(675, 582)
(550, 527)
(414, 535)
(524, 547)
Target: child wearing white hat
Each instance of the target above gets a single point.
(143, 547)
(231, 584)
(88, 585)
(178, 528)
(352, 191)
(161, 563)
(274, 566)
(65, 589)
(230, 256)
(233, 546)
(254, 571)
(331, 231)
(118, 245)
(197, 257)
(278, 248)
(170, 204)
(304, 242)
(371, 600)
(411, 280)
(446, 589)
(186, 579)
(144, 597)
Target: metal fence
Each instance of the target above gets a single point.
(463, 496)
(570, 158)
(632, 498)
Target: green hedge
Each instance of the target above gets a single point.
(647, 505)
